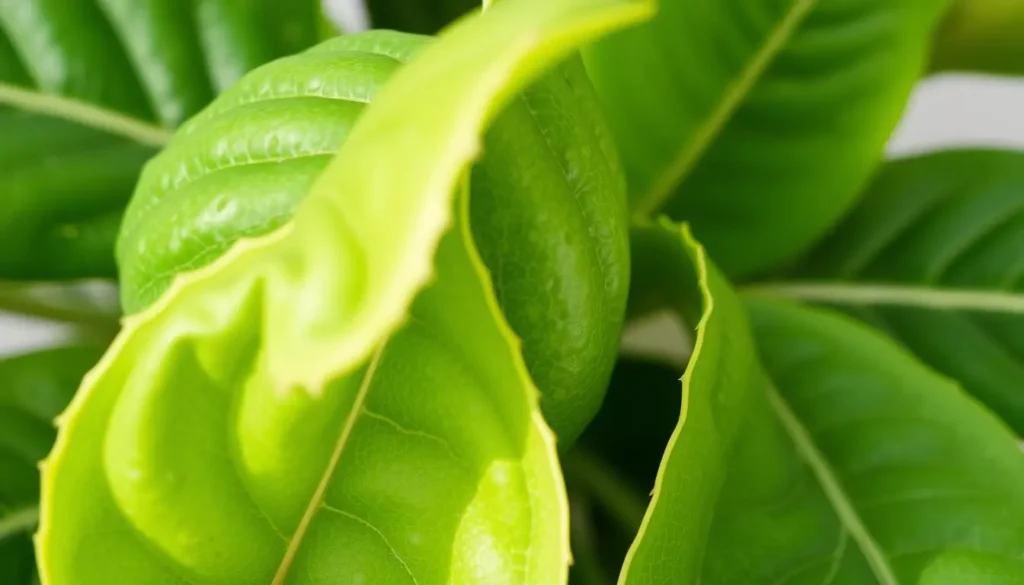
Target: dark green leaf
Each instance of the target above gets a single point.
(758, 121)
(932, 256)
(417, 16)
(843, 461)
(34, 389)
(88, 89)
(548, 211)
(340, 399)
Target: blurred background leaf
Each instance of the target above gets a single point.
(34, 388)
(933, 257)
(90, 89)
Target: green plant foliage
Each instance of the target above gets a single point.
(548, 203)
(846, 461)
(89, 89)
(931, 256)
(889, 473)
(758, 122)
(374, 290)
(34, 388)
(417, 16)
(340, 398)
(981, 35)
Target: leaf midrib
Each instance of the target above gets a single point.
(834, 492)
(84, 114)
(738, 88)
(920, 296)
(317, 499)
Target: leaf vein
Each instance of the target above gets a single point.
(732, 99)
(316, 501)
(834, 492)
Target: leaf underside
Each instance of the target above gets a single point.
(262, 421)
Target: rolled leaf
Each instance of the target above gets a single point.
(759, 121)
(34, 388)
(89, 90)
(340, 398)
(548, 210)
(931, 256)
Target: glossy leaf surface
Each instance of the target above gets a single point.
(34, 388)
(843, 461)
(759, 121)
(88, 90)
(932, 257)
(548, 202)
(303, 409)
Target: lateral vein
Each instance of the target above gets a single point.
(886, 294)
(731, 100)
(833, 489)
(321, 489)
(85, 114)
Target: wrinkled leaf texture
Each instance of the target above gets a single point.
(548, 211)
(89, 89)
(932, 257)
(312, 406)
(759, 121)
(34, 388)
(843, 461)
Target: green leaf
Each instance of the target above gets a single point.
(307, 407)
(89, 88)
(759, 121)
(611, 470)
(549, 210)
(981, 35)
(34, 388)
(719, 389)
(931, 256)
(417, 16)
(843, 460)
(889, 472)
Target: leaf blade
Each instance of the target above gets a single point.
(232, 328)
(80, 122)
(694, 141)
(35, 388)
(928, 256)
(848, 462)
